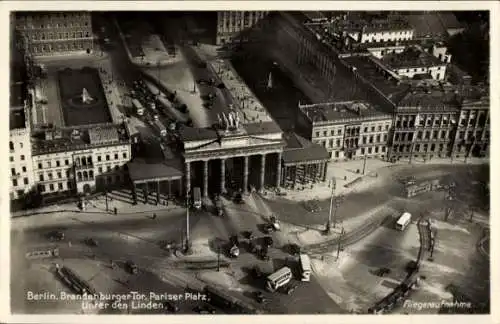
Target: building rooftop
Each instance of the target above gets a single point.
(300, 150)
(55, 140)
(188, 134)
(411, 57)
(389, 85)
(338, 111)
(140, 170)
(262, 128)
(431, 24)
(17, 119)
(18, 94)
(431, 99)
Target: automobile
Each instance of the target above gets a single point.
(238, 198)
(412, 266)
(234, 240)
(259, 297)
(382, 272)
(91, 241)
(249, 235)
(257, 272)
(208, 105)
(268, 241)
(289, 289)
(268, 228)
(234, 251)
(131, 267)
(294, 249)
(263, 254)
(55, 235)
(171, 307)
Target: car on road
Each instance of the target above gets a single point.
(91, 241)
(257, 272)
(260, 298)
(55, 235)
(382, 272)
(268, 228)
(170, 307)
(268, 241)
(234, 240)
(263, 253)
(289, 289)
(131, 267)
(238, 198)
(412, 266)
(294, 249)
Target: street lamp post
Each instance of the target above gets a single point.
(329, 223)
(106, 196)
(187, 223)
(364, 164)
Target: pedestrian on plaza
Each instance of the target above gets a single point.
(154, 216)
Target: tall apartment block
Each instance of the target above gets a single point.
(55, 33)
(231, 23)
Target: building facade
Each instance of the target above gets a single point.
(80, 161)
(348, 130)
(56, 33)
(426, 126)
(21, 166)
(472, 136)
(231, 23)
(414, 62)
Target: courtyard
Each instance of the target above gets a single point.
(76, 110)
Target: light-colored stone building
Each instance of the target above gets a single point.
(231, 23)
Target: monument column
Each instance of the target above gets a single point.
(245, 174)
(262, 171)
(222, 176)
(157, 192)
(325, 170)
(188, 178)
(205, 178)
(278, 171)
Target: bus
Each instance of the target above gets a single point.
(279, 279)
(305, 267)
(403, 221)
(196, 198)
(139, 109)
(161, 129)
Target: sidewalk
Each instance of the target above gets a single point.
(376, 171)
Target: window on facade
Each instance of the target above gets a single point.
(331, 143)
(108, 168)
(49, 164)
(58, 164)
(376, 149)
(339, 132)
(362, 150)
(366, 129)
(51, 187)
(59, 175)
(124, 155)
(435, 134)
(66, 162)
(118, 168)
(40, 176)
(436, 122)
(99, 169)
(386, 127)
(317, 134)
(383, 148)
(369, 150)
(11, 158)
(373, 128)
(332, 132)
(14, 182)
(324, 133)
(98, 158)
(379, 128)
(24, 169)
(463, 122)
(26, 181)
(338, 142)
(336, 154)
(49, 175)
(60, 186)
(11, 146)
(461, 135)
(396, 138)
(364, 139)
(427, 135)
(107, 157)
(371, 139)
(443, 134)
(433, 147)
(378, 138)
